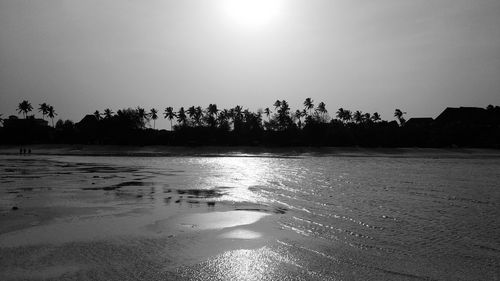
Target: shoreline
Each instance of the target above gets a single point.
(245, 151)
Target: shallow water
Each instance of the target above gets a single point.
(249, 217)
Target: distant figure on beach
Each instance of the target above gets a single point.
(24, 151)
(29, 150)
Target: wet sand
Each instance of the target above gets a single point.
(76, 221)
(283, 217)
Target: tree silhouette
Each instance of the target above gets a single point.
(212, 115)
(181, 116)
(308, 105)
(237, 115)
(347, 115)
(143, 116)
(298, 115)
(51, 113)
(344, 115)
(212, 109)
(267, 112)
(24, 107)
(191, 111)
(277, 104)
(284, 127)
(128, 119)
(367, 117)
(399, 115)
(170, 114)
(321, 109)
(108, 113)
(154, 115)
(43, 109)
(340, 114)
(358, 117)
(198, 115)
(97, 115)
(283, 117)
(222, 118)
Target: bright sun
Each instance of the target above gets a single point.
(253, 13)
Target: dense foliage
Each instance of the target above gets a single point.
(279, 126)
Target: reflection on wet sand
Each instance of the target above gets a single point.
(233, 218)
(111, 204)
(241, 234)
(218, 220)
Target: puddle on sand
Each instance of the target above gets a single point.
(244, 234)
(219, 220)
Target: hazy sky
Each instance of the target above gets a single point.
(371, 55)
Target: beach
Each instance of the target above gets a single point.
(115, 213)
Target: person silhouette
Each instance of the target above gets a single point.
(29, 150)
(24, 151)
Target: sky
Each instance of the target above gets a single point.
(370, 55)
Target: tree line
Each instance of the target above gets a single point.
(275, 125)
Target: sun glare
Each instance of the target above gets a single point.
(253, 13)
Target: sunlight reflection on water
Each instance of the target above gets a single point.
(337, 214)
(258, 264)
(239, 173)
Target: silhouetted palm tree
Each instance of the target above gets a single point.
(143, 116)
(97, 115)
(191, 111)
(347, 115)
(344, 115)
(399, 115)
(247, 115)
(198, 115)
(321, 109)
(283, 118)
(230, 115)
(24, 107)
(181, 116)
(284, 106)
(267, 112)
(237, 115)
(51, 113)
(340, 114)
(298, 115)
(376, 117)
(170, 114)
(43, 109)
(367, 117)
(238, 112)
(108, 113)
(212, 109)
(154, 115)
(358, 116)
(222, 118)
(212, 114)
(308, 105)
(258, 118)
(277, 104)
